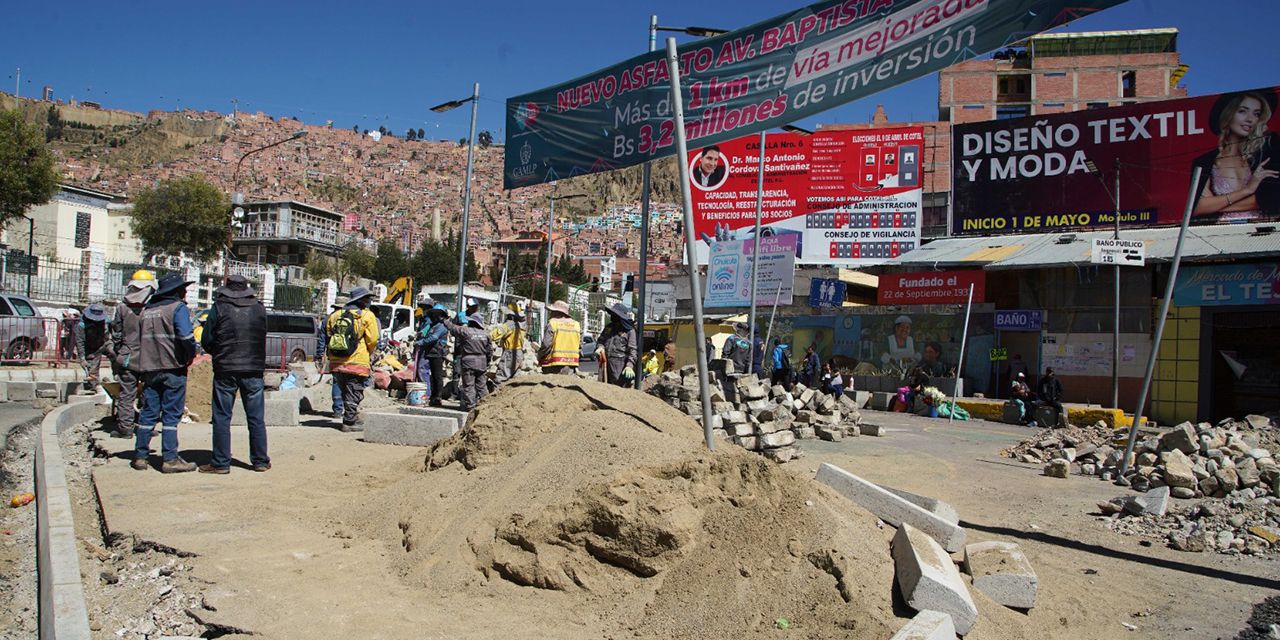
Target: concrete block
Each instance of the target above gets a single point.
(22, 391)
(459, 417)
(891, 508)
(406, 429)
(66, 375)
(1002, 572)
(929, 579)
(932, 505)
(21, 375)
(871, 430)
(927, 625)
(882, 400)
(861, 399)
(4, 391)
(777, 439)
(276, 412)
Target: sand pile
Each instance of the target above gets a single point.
(574, 501)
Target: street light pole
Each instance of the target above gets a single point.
(466, 198)
(1115, 337)
(642, 290)
(755, 256)
(237, 198)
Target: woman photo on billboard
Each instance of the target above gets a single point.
(1238, 178)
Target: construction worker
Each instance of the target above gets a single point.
(472, 307)
(737, 348)
(434, 344)
(165, 349)
(353, 335)
(126, 337)
(475, 350)
(92, 342)
(561, 341)
(669, 356)
(510, 336)
(618, 344)
(236, 336)
(652, 364)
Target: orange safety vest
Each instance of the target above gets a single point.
(566, 343)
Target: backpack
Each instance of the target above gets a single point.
(343, 337)
(781, 358)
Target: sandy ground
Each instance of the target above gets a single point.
(301, 551)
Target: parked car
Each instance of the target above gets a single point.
(23, 331)
(587, 363)
(291, 337)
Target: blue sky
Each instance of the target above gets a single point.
(388, 61)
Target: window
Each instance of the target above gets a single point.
(22, 307)
(1098, 105)
(277, 323)
(1005, 113)
(4, 308)
(402, 319)
(1129, 84)
(82, 229)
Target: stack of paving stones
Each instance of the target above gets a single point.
(759, 417)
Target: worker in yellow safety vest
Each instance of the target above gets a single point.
(509, 336)
(561, 341)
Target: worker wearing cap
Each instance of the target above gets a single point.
(510, 337)
(351, 371)
(1021, 395)
(737, 348)
(475, 350)
(471, 309)
(651, 364)
(92, 342)
(434, 345)
(561, 341)
(126, 336)
(618, 344)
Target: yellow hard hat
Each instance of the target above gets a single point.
(143, 274)
(143, 279)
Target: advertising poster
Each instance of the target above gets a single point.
(1228, 284)
(729, 273)
(849, 197)
(760, 77)
(1030, 175)
(934, 287)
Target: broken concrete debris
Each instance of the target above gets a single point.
(1002, 572)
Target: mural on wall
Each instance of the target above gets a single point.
(895, 340)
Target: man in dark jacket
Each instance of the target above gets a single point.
(126, 336)
(92, 343)
(811, 370)
(475, 349)
(757, 356)
(618, 342)
(166, 348)
(235, 334)
(737, 349)
(434, 344)
(1050, 393)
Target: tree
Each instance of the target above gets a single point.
(422, 135)
(319, 266)
(462, 142)
(355, 128)
(184, 215)
(484, 139)
(410, 134)
(354, 262)
(27, 173)
(390, 264)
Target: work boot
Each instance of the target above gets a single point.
(121, 433)
(357, 425)
(139, 464)
(266, 466)
(177, 465)
(208, 468)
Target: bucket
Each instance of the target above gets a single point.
(417, 392)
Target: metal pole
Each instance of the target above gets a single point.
(695, 287)
(17, 85)
(551, 221)
(964, 337)
(755, 255)
(466, 202)
(1164, 313)
(1115, 337)
(31, 259)
(642, 288)
(769, 332)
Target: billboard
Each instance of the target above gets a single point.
(849, 197)
(783, 69)
(1229, 284)
(934, 287)
(729, 274)
(1030, 175)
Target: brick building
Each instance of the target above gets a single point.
(1048, 73)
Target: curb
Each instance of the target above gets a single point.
(64, 614)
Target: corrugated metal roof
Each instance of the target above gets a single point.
(1236, 241)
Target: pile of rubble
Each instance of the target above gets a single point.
(1232, 525)
(756, 416)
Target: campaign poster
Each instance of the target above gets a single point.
(760, 77)
(1032, 175)
(849, 197)
(729, 274)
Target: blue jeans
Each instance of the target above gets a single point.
(164, 395)
(225, 386)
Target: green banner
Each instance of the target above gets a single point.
(769, 74)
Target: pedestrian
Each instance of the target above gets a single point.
(1050, 393)
(737, 349)
(757, 356)
(561, 341)
(832, 380)
(711, 351)
(322, 360)
(92, 343)
(781, 364)
(475, 349)
(618, 344)
(669, 356)
(919, 380)
(353, 335)
(1021, 396)
(1017, 366)
(435, 348)
(67, 334)
(651, 364)
(510, 337)
(811, 369)
(126, 334)
(235, 334)
(165, 349)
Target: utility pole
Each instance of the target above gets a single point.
(17, 84)
(235, 109)
(1115, 336)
